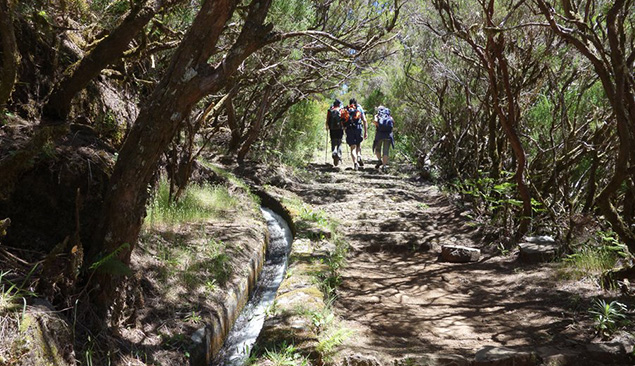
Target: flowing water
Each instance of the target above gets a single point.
(243, 335)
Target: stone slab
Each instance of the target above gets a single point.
(501, 356)
(537, 252)
(459, 254)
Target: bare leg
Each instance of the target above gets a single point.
(354, 155)
(384, 149)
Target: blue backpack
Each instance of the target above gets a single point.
(385, 122)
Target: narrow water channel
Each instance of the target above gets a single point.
(249, 323)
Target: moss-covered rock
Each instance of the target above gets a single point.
(46, 340)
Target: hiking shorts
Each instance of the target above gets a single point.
(354, 136)
(336, 134)
(382, 146)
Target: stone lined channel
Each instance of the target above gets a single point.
(243, 334)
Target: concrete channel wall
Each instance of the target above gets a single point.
(210, 338)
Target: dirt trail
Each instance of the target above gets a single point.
(401, 300)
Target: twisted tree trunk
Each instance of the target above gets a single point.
(613, 65)
(10, 54)
(187, 80)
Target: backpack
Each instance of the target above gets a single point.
(335, 120)
(385, 122)
(354, 116)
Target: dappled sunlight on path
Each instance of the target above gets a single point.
(401, 300)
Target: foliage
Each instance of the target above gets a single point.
(330, 339)
(298, 135)
(198, 203)
(594, 258)
(494, 199)
(11, 294)
(285, 355)
(608, 316)
(289, 15)
(208, 265)
(330, 331)
(109, 263)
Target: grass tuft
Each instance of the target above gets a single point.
(593, 259)
(198, 203)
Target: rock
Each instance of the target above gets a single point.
(538, 249)
(558, 356)
(540, 239)
(302, 246)
(318, 233)
(47, 338)
(501, 356)
(602, 352)
(325, 249)
(459, 254)
(434, 360)
(360, 360)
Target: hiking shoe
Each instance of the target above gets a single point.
(336, 160)
(356, 166)
(377, 165)
(360, 162)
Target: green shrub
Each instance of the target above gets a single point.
(198, 203)
(594, 258)
(608, 316)
(298, 136)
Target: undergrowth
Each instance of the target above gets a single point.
(608, 316)
(593, 258)
(198, 203)
(330, 331)
(13, 305)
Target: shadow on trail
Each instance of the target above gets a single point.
(403, 300)
(408, 305)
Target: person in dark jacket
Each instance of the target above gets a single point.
(334, 124)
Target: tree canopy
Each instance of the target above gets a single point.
(526, 108)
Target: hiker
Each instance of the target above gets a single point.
(334, 124)
(354, 137)
(360, 161)
(384, 124)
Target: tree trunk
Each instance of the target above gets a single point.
(254, 131)
(106, 52)
(492, 145)
(232, 123)
(187, 80)
(612, 68)
(498, 72)
(10, 54)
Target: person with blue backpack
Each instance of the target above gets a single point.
(354, 126)
(384, 138)
(334, 124)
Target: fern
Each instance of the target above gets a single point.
(111, 264)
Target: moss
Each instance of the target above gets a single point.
(44, 337)
(309, 298)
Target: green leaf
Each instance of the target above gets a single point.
(111, 264)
